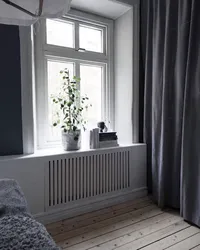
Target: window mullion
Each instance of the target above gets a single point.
(77, 72)
(77, 46)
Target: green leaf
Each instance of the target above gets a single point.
(55, 124)
(74, 128)
(69, 104)
(66, 116)
(77, 78)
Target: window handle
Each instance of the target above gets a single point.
(81, 50)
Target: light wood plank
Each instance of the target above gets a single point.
(173, 239)
(109, 222)
(97, 213)
(147, 213)
(136, 225)
(127, 234)
(188, 243)
(71, 226)
(148, 238)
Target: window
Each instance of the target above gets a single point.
(84, 46)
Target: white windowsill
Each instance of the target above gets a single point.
(59, 151)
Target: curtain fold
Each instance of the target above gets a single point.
(170, 65)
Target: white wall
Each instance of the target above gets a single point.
(30, 175)
(123, 60)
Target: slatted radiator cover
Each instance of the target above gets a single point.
(78, 177)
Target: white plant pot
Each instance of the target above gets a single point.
(71, 140)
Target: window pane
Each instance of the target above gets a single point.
(60, 33)
(91, 85)
(54, 82)
(91, 38)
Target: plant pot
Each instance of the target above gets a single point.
(71, 140)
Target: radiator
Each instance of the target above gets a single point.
(77, 177)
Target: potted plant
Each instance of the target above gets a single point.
(72, 108)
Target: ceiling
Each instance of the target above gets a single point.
(107, 8)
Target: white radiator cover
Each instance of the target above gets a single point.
(75, 178)
(67, 184)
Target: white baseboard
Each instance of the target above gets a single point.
(60, 214)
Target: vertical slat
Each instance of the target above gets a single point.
(104, 173)
(107, 173)
(118, 171)
(125, 184)
(78, 179)
(82, 181)
(100, 173)
(70, 180)
(85, 176)
(113, 171)
(55, 183)
(88, 176)
(118, 175)
(63, 181)
(59, 181)
(128, 169)
(67, 179)
(49, 187)
(122, 169)
(127, 175)
(51, 184)
(110, 172)
(74, 178)
(92, 175)
(95, 174)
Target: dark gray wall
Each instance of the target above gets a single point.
(10, 91)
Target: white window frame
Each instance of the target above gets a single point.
(44, 51)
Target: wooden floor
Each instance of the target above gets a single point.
(134, 225)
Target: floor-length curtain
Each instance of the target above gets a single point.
(170, 66)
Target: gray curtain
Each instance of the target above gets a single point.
(170, 72)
